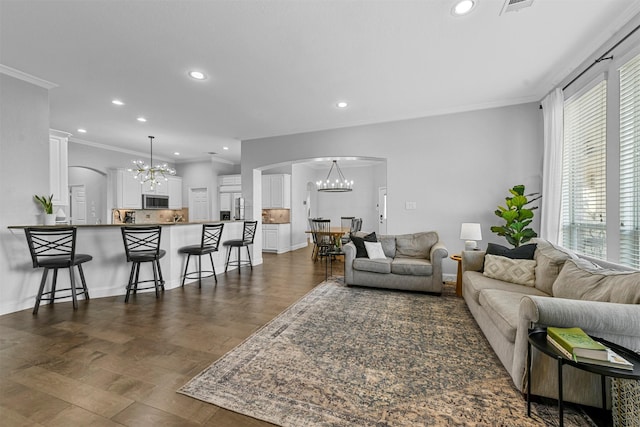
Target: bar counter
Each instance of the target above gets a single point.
(108, 273)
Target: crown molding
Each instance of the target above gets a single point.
(20, 75)
(117, 149)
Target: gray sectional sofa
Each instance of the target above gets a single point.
(564, 291)
(412, 262)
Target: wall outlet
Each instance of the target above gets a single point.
(410, 205)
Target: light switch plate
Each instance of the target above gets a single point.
(410, 205)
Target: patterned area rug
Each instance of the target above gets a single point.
(353, 356)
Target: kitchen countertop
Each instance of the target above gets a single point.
(123, 225)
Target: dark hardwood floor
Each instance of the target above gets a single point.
(110, 363)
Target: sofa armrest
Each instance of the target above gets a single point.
(437, 254)
(618, 323)
(349, 255)
(602, 319)
(472, 260)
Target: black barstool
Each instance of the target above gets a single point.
(54, 248)
(248, 233)
(209, 243)
(142, 244)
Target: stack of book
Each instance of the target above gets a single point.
(576, 345)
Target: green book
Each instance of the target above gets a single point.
(578, 343)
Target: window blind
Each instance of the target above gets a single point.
(630, 163)
(584, 172)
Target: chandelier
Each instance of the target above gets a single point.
(338, 185)
(154, 175)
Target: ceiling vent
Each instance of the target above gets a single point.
(515, 5)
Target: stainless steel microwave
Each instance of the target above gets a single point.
(151, 201)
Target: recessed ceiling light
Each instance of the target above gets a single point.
(225, 148)
(82, 130)
(176, 153)
(117, 102)
(342, 104)
(141, 119)
(463, 7)
(198, 75)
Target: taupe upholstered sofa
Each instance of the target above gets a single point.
(412, 262)
(567, 291)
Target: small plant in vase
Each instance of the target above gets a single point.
(47, 206)
(517, 216)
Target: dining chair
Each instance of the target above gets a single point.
(54, 248)
(248, 234)
(321, 229)
(209, 242)
(142, 244)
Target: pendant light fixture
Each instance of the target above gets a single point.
(154, 175)
(336, 184)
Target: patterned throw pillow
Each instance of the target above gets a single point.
(518, 271)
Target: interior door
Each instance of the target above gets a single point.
(78, 205)
(199, 204)
(382, 210)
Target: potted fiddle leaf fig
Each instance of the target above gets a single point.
(47, 205)
(518, 215)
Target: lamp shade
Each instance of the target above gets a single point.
(470, 232)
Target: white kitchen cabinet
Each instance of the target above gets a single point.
(59, 167)
(174, 186)
(225, 201)
(230, 180)
(276, 238)
(128, 190)
(160, 189)
(276, 191)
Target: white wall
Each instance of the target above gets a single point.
(361, 202)
(95, 185)
(456, 167)
(204, 174)
(24, 171)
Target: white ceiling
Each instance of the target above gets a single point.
(279, 67)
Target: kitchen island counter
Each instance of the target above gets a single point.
(108, 273)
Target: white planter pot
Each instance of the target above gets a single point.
(49, 219)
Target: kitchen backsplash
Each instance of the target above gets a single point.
(276, 216)
(150, 216)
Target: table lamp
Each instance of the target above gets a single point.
(471, 233)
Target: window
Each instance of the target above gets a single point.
(584, 172)
(630, 163)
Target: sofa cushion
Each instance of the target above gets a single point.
(549, 262)
(372, 265)
(475, 282)
(502, 307)
(521, 252)
(581, 279)
(518, 271)
(412, 266)
(416, 245)
(388, 245)
(358, 241)
(374, 250)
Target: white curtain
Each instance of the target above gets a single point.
(551, 203)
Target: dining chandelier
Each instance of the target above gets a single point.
(154, 175)
(339, 184)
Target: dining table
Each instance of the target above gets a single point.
(334, 232)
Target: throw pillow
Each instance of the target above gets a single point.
(361, 250)
(518, 271)
(581, 279)
(549, 262)
(521, 252)
(416, 245)
(374, 250)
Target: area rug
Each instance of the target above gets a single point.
(344, 356)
